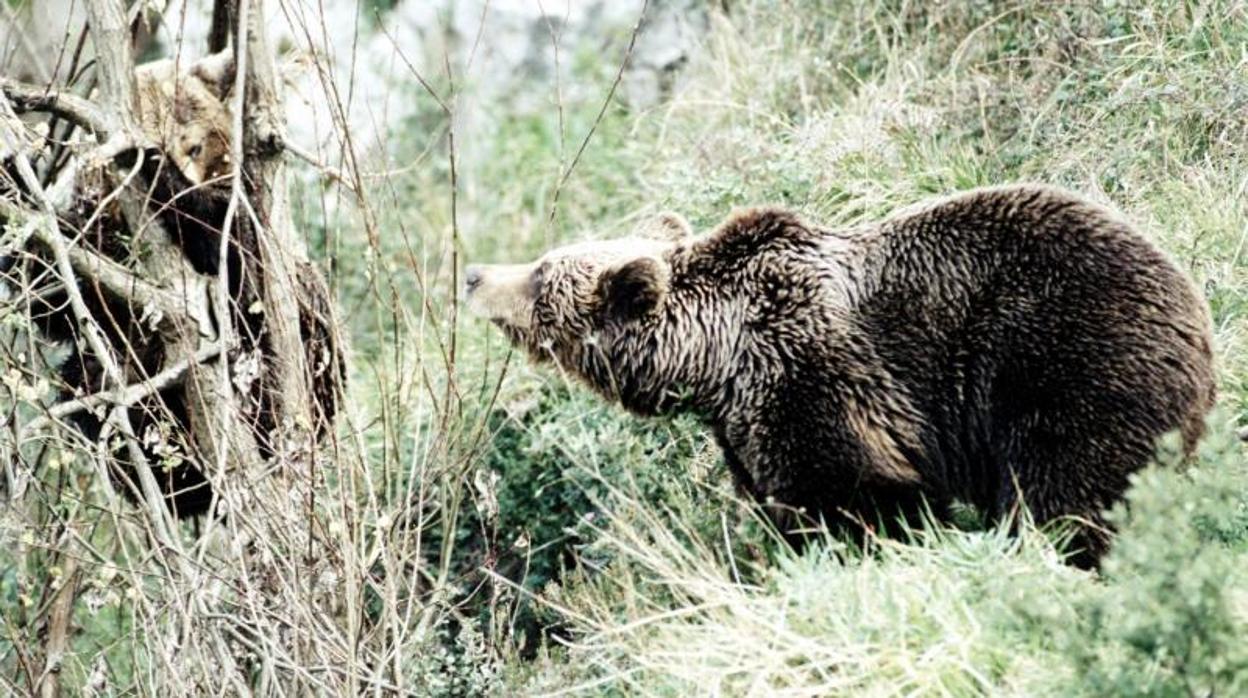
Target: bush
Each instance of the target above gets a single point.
(1172, 614)
(943, 612)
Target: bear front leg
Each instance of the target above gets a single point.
(811, 472)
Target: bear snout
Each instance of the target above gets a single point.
(499, 292)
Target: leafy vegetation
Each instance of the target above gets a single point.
(846, 111)
(558, 544)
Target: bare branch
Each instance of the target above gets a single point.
(332, 172)
(59, 617)
(279, 247)
(23, 37)
(126, 396)
(67, 105)
(91, 330)
(628, 54)
(110, 275)
(115, 64)
(222, 19)
(11, 214)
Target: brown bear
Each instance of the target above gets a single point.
(1002, 346)
(185, 110)
(183, 173)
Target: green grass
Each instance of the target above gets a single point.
(937, 612)
(846, 111)
(629, 559)
(564, 546)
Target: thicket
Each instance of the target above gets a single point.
(500, 531)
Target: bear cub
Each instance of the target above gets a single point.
(1006, 347)
(183, 169)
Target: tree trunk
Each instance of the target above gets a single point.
(236, 373)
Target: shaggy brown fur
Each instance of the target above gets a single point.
(1006, 342)
(185, 111)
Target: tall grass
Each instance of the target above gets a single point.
(484, 527)
(933, 612)
(846, 111)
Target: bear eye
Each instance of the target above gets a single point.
(195, 151)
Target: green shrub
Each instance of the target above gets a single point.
(947, 612)
(1171, 617)
(555, 460)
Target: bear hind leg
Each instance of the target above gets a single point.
(1038, 492)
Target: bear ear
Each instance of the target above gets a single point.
(217, 72)
(667, 226)
(633, 289)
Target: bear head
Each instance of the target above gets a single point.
(560, 305)
(185, 111)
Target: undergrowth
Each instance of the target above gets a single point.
(501, 531)
(846, 111)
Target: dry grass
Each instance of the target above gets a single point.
(404, 559)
